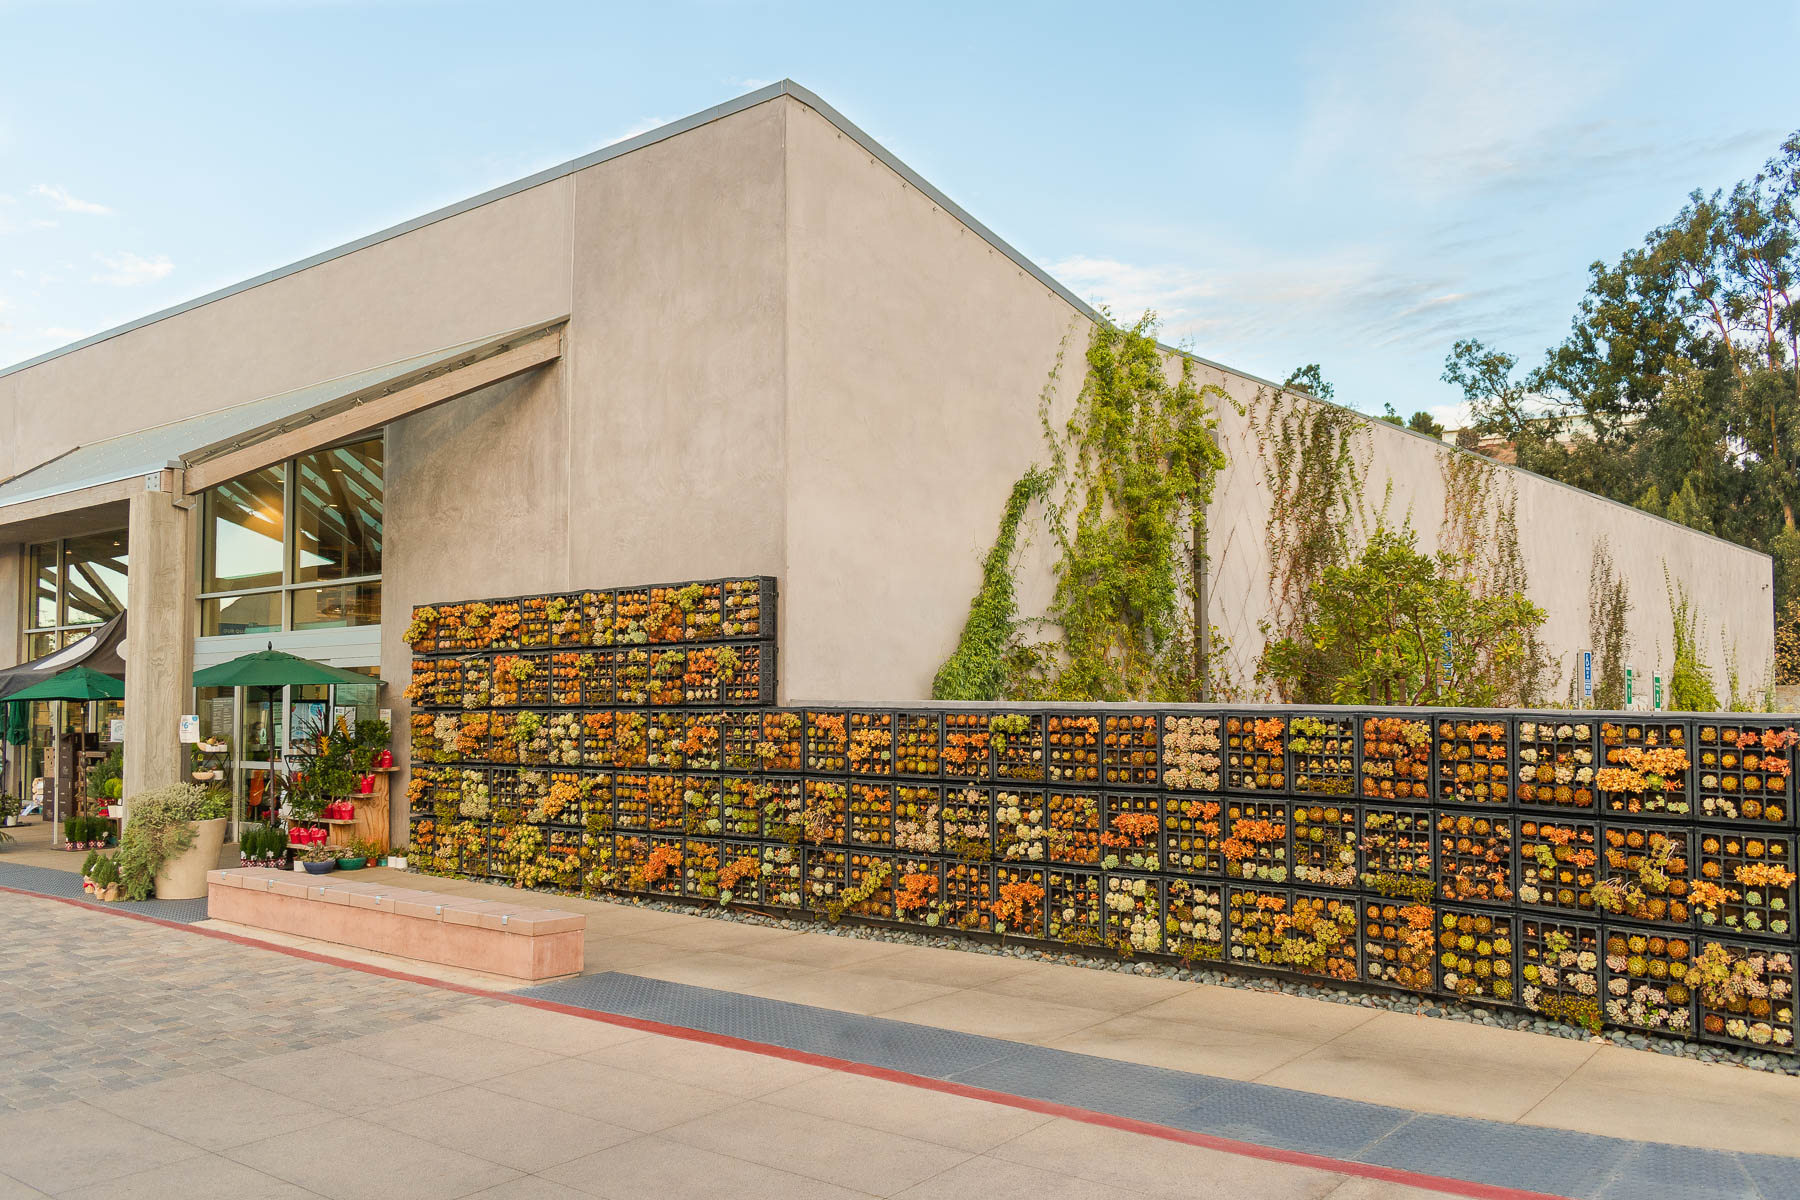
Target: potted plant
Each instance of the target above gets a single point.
(318, 858)
(331, 760)
(101, 878)
(106, 779)
(86, 833)
(173, 837)
(263, 846)
(396, 858)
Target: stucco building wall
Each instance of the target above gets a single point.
(490, 269)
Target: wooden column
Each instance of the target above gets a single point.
(159, 638)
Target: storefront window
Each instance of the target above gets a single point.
(258, 612)
(337, 513)
(44, 573)
(362, 699)
(94, 582)
(342, 605)
(75, 584)
(244, 523)
(295, 546)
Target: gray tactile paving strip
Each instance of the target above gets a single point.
(1554, 1161)
(895, 1045)
(1085, 1081)
(1779, 1178)
(1695, 1175)
(46, 881)
(1523, 1156)
(1290, 1120)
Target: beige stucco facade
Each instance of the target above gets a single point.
(783, 355)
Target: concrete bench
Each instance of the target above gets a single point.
(515, 940)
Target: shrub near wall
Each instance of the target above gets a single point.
(1605, 870)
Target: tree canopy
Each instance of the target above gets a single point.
(1678, 386)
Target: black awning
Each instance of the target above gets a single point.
(98, 651)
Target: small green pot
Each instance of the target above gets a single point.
(352, 864)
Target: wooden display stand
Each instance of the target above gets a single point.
(371, 823)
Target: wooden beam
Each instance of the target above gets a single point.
(372, 414)
(67, 502)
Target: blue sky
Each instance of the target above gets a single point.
(1354, 185)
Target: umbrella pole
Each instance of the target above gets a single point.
(55, 790)
(277, 761)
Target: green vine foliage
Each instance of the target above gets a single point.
(1691, 687)
(1130, 476)
(1138, 460)
(1609, 611)
(1314, 461)
(1787, 643)
(1480, 531)
(987, 655)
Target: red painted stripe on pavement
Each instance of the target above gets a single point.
(1206, 1141)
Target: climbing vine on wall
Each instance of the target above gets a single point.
(1787, 643)
(1136, 462)
(1469, 482)
(1314, 461)
(1609, 610)
(1480, 531)
(987, 655)
(1690, 678)
(1131, 472)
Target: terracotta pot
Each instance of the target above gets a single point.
(184, 876)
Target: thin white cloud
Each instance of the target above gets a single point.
(126, 269)
(643, 126)
(750, 85)
(1440, 100)
(62, 201)
(63, 335)
(1228, 310)
(1452, 416)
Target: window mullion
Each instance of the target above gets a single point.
(290, 543)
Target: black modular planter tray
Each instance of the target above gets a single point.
(747, 608)
(918, 744)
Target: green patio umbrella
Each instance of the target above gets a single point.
(273, 668)
(76, 683)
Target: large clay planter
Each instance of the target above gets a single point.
(184, 876)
